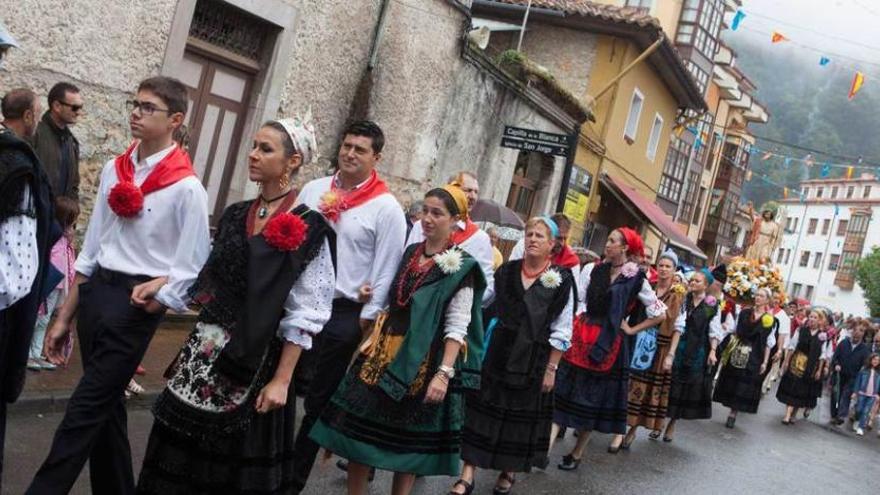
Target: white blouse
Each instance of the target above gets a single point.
(715, 329)
(310, 302)
(19, 258)
(458, 315)
(654, 307)
(561, 328)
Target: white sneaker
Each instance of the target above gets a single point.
(46, 365)
(34, 365)
(860, 432)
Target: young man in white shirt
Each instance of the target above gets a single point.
(146, 241)
(370, 233)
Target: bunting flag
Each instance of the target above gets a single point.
(748, 175)
(785, 193)
(737, 19)
(778, 37)
(766, 156)
(849, 172)
(857, 82)
(836, 210)
(787, 161)
(823, 61)
(679, 130)
(826, 170)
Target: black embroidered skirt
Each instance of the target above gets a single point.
(738, 389)
(589, 400)
(690, 396)
(798, 391)
(505, 438)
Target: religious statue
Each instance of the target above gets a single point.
(766, 234)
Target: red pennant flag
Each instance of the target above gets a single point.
(778, 37)
(857, 83)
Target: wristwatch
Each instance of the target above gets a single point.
(447, 371)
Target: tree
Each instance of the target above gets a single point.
(868, 276)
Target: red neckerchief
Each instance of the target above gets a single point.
(126, 198)
(459, 236)
(566, 258)
(335, 201)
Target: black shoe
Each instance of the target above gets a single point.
(612, 449)
(543, 464)
(497, 490)
(731, 420)
(569, 463)
(468, 487)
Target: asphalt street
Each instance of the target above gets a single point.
(760, 455)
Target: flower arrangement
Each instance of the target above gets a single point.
(551, 278)
(449, 261)
(285, 232)
(745, 277)
(332, 205)
(126, 199)
(629, 269)
(679, 289)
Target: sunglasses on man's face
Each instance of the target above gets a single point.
(75, 108)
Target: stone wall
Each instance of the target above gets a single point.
(105, 48)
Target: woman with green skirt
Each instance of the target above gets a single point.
(400, 407)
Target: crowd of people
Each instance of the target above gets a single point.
(416, 347)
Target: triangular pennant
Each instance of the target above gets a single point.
(823, 61)
(849, 172)
(737, 19)
(857, 83)
(826, 170)
(777, 37)
(767, 156)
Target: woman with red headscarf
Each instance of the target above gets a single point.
(592, 380)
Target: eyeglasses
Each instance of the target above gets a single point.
(75, 108)
(146, 108)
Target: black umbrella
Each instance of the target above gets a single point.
(486, 210)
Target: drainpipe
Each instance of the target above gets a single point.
(377, 35)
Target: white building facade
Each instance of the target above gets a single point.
(827, 230)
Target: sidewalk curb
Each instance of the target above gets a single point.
(56, 403)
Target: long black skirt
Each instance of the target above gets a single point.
(738, 389)
(588, 400)
(257, 461)
(507, 439)
(798, 391)
(690, 396)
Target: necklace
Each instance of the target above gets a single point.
(263, 212)
(417, 272)
(531, 275)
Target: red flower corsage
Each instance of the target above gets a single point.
(126, 199)
(285, 232)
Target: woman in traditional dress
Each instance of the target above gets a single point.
(225, 421)
(400, 407)
(745, 358)
(651, 373)
(507, 424)
(593, 378)
(699, 322)
(802, 369)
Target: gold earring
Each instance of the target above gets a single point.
(284, 181)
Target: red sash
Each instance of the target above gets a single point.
(566, 258)
(127, 199)
(335, 201)
(459, 236)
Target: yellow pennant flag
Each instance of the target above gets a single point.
(849, 172)
(778, 37)
(857, 83)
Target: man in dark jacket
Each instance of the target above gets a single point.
(55, 145)
(848, 359)
(25, 220)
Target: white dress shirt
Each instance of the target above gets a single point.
(479, 246)
(369, 244)
(169, 237)
(310, 302)
(19, 258)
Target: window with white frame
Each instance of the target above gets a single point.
(654, 140)
(632, 120)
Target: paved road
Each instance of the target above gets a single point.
(760, 456)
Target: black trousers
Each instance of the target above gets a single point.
(332, 351)
(4, 339)
(114, 336)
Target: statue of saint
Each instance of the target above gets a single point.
(766, 234)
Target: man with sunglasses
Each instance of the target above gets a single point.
(55, 145)
(146, 242)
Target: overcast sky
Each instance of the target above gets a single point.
(823, 25)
